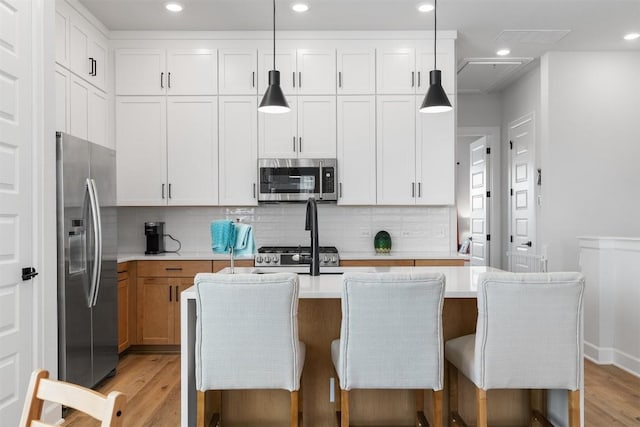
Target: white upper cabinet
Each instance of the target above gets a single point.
(87, 51)
(316, 126)
(141, 150)
(435, 156)
(97, 121)
(356, 150)
(316, 71)
(302, 71)
(192, 150)
(160, 72)
(79, 91)
(396, 71)
(307, 131)
(356, 71)
(192, 72)
(396, 150)
(62, 36)
(238, 72)
(445, 63)
(278, 133)
(285, 63)
(62, 99)
(238, 151)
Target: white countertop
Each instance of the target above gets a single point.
(461, 282)
(210, 256)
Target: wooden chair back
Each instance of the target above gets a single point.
(107, 409)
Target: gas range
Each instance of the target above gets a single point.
(278, 256)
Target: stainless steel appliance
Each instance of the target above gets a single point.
(154, 231)
(281, 256)
(87, 261)
(297, 180)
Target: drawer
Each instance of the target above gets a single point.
(376, 263)
(173, 268)
(439, 262)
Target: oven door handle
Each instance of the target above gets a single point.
(321, 179)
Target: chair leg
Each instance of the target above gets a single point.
(419, 405)
(481, 407)
(344, 408)
(437, 407)
(201, 406)
(574, 408)
(294, 409)
(453, 393)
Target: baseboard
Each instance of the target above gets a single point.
(612, 356)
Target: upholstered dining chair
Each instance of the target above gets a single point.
(109, 410)
(528, 336)
(391, 337)
(247, 335)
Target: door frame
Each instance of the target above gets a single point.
(492, 133)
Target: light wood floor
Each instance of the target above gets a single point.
(152, 386)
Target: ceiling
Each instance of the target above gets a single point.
(592, 25)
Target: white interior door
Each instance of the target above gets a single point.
(16, 222)
(479, 218)
(522, 239)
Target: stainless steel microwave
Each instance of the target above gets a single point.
(297, 179)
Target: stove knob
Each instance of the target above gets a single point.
(334, 259)
(267, 259)
(274, 259)
(258, 259)
(325, 259)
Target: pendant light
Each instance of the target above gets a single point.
(273, 100)
(435, 101)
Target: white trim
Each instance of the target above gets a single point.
(631, 244)
(282, 35)
(84, 12)
(492, 133)
(611, 356)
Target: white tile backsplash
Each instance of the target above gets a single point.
(350, 229)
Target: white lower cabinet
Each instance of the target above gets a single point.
(238, 150)
(356, 150)
(396, 178)
(166, 150)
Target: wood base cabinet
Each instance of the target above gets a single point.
(124, 339)
(159, 285)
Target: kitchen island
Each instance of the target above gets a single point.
(319, 317)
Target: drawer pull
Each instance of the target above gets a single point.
(173, 268)
(169, 293)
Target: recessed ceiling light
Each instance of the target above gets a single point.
(425, 7)
(173, 7)
(503, 52)
(300, 7)
(632, 36)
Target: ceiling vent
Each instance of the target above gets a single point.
(512, 37)
(483, 75)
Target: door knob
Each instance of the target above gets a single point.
(527, 243)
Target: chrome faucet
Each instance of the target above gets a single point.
(311, 224)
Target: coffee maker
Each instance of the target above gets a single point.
(155, 237)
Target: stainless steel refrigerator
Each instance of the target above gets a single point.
(87, 261)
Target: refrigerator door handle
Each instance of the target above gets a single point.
(96, 243)
(98, 215)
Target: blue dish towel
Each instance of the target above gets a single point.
(223, 235)
(245, 243)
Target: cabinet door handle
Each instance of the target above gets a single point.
(170, 290)
(163, 191)
(418, 78)
(162, 80)
(254, 190)
(340, 190)
(413, 189)
(177, 294)
(294, 144)
(253, 79)
(339, 78)
(294, 79)
(420, 189)
(413, 78)
(169, 183)
(299, 144)
(299, 78)
(95, 67)
(92, 67)
(169, 86)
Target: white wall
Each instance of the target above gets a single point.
(590, 150)
(350, 229)
(479, 110)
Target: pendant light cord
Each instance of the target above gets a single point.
(274, 34)
(435, 32)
